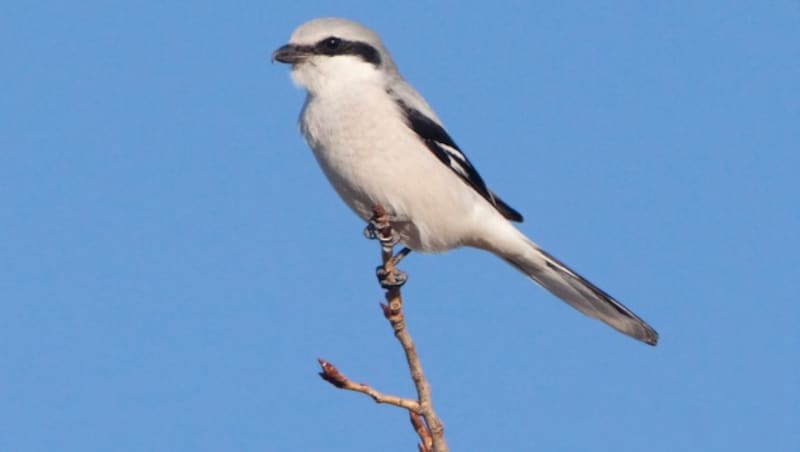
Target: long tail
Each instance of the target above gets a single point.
(577, 291)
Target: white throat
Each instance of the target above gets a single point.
(321, 74)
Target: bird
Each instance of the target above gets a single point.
(378, 142)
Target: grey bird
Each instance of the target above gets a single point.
(379, 143)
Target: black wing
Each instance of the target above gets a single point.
(445, 149)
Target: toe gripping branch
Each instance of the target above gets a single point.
(379, 228)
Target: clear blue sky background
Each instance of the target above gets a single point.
(172, 261)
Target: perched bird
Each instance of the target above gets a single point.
(379, 143)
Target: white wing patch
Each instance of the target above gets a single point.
(438, 141)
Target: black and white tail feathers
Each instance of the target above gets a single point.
(534, 262)
(579, 293)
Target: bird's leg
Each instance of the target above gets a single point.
(400, 255)
(380, 229)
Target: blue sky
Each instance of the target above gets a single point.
(172, 261)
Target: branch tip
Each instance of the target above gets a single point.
(378, 211)
(331, 374)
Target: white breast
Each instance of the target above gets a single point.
(372, 157)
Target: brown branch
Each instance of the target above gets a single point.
(393, 311)
(332, 375)
(423, 417)
(422, 431)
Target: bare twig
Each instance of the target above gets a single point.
(393, 311)
(423, 417)
(332, 375)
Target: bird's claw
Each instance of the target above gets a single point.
(371, 231)
(390, 279)
(381, 232)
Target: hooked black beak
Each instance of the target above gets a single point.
(289, 54)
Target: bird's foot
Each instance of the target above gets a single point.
(371, 230)
(380, 229)
(391, 278)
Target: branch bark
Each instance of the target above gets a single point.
(429, 428)
(332, 375)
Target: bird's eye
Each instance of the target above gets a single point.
(332, 43)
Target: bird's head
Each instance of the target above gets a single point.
(331, 52)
